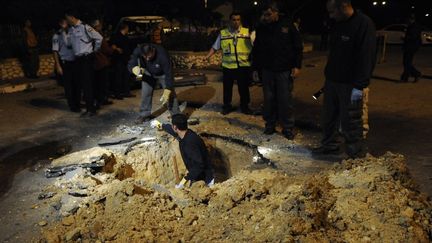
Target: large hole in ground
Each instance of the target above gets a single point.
(228, 158)
(161, 162)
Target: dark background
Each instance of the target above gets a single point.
(45, 13)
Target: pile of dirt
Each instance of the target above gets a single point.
(369, 199)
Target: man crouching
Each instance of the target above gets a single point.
(193, 151)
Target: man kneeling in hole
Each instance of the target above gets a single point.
(193, 151)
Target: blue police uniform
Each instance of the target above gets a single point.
(61, 44)
(85, 41)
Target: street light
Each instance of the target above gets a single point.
(384, 3)
(375, 3)
(255, 3)
(427, 15)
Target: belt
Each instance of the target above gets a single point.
(84, 56)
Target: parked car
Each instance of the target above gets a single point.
(396, 34)
(140, 27)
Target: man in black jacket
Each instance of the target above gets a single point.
(349, 68)
(412, 43)
(192, 148)
(277, 54)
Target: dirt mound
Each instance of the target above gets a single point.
(360, 200)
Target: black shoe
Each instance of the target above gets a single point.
(227, 110)
(288, 134)
(107, 102)
(417, 78)
(247, 111)
(129, 95)
(76, 110)
(269, 130)
(142, 119)
(325, 150)
(88, 114)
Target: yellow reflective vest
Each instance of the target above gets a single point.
(236, 48)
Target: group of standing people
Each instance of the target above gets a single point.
(275, 57)
(84, 60)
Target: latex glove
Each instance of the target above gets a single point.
(181, 184)
(156, 124)
(138, 71)
(165, 96)
(211, 183)
(255, 76)
(295, 72)
(356, 95)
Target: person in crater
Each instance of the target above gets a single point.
(193, 151)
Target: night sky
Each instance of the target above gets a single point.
(312, 12)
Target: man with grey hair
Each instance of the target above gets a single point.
(349, 68)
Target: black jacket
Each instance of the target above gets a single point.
(352, 54)
(122, 42)
(194, 154)
(160, 65)
(278, 46)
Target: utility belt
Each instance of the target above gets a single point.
(67, 61)
(88, 56)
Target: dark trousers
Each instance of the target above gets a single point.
(242, 76)
(340, 112)
(30, 62)
(278, 99)
(71, 85)
(121, 79)
(409, 69)
(85, 73)
(101, 85)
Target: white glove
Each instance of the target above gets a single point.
(356, 95)
(211, 183)
(156, 124)
(165, 96)
(181, 184)
(138, 71)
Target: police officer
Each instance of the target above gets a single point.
(85, 42)
(348, 71)
(277, 54)
(236, 46)
(152, 63)
(412, 43)
(64, 60)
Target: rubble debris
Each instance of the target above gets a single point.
(116, 140)
(93, 159)
(46, 195)
(42, 223)
(133, 130)
(369, 199)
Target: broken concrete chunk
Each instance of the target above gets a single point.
(116, 140)
(46, 195)
(69, 205)
(73, 235)
(88, 156)
(78, 193)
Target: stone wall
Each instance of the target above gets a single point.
(12, 69)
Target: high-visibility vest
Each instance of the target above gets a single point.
(236, 49)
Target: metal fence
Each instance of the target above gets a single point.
(12, 40)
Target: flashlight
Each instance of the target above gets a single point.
(318, 94)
